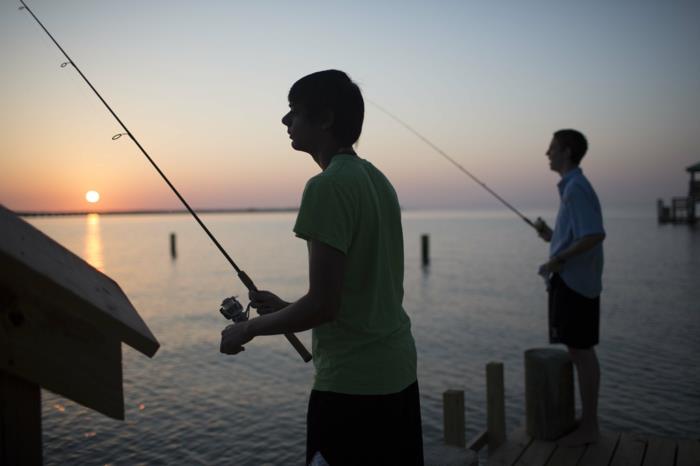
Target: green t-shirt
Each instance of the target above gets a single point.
(368, 349)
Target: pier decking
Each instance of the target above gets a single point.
(613, 449)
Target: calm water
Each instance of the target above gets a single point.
(479, 301)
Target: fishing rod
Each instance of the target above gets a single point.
(237, 316)
(454, 162)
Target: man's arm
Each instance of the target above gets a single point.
(579, 247)
(320, 305)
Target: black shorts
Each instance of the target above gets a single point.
(365, 429)
(574, 319)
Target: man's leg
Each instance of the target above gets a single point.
(588, 370)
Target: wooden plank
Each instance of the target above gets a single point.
(660, 452)
(62, 353)
(688, 453)
(537, 454)
(601, 452)
(20, 421)
(517, 443)
(448, 455)
(630, 451)
(479, 441)
(567, 456)
(24, 250)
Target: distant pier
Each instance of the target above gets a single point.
(682, 209)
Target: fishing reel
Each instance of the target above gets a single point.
(232, 309)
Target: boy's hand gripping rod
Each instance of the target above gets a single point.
(245, 279)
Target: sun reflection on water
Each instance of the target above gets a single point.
(93, 242)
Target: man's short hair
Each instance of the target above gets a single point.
(575, 141)
(334, 91)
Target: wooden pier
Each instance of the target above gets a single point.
(613, 449)
(526, 446)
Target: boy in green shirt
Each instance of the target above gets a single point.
(364, 407)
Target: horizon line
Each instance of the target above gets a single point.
(68, 213)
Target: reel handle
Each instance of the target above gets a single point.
(293, 340)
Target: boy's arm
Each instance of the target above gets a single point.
(579, 247)
(320, 305)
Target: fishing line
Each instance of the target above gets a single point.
(245, 279)
(454, 162)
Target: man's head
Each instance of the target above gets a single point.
(566, 150)
(332, 101)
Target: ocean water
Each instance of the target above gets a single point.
(480, 300)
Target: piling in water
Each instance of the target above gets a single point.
(425, 250)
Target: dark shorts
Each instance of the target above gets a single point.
(365, 429)
(574, 319)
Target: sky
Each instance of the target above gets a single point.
(203, 87)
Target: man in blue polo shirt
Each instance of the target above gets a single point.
(574, 271)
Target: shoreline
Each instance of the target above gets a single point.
(75, 213)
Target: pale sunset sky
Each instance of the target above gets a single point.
(203, 85)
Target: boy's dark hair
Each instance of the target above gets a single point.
(575, 141)
(334, 91)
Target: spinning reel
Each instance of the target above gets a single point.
(232, 309)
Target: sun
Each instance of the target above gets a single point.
(92, 196)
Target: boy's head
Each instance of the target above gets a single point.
(331, 96)
(574, 141)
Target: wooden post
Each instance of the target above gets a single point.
(453, 417)
(425, 250)
(173, 246)
(549, 393)
(20, 421)
(495, 405)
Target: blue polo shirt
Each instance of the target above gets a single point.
(579, 215)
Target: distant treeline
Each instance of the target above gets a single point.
(154, 212)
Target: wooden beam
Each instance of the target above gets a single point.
(517, 444)
(537, 454)
(479, 441)
(30, 261)
(61, 352)
(660, 452)
(630, 451)
(688, 453)
(602, 451)
(567, 456)
(20, 421)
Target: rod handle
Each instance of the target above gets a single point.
(298, 345)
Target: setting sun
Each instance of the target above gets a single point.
(92, 196)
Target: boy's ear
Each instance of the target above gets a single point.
(568, 154)
(327, 120)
